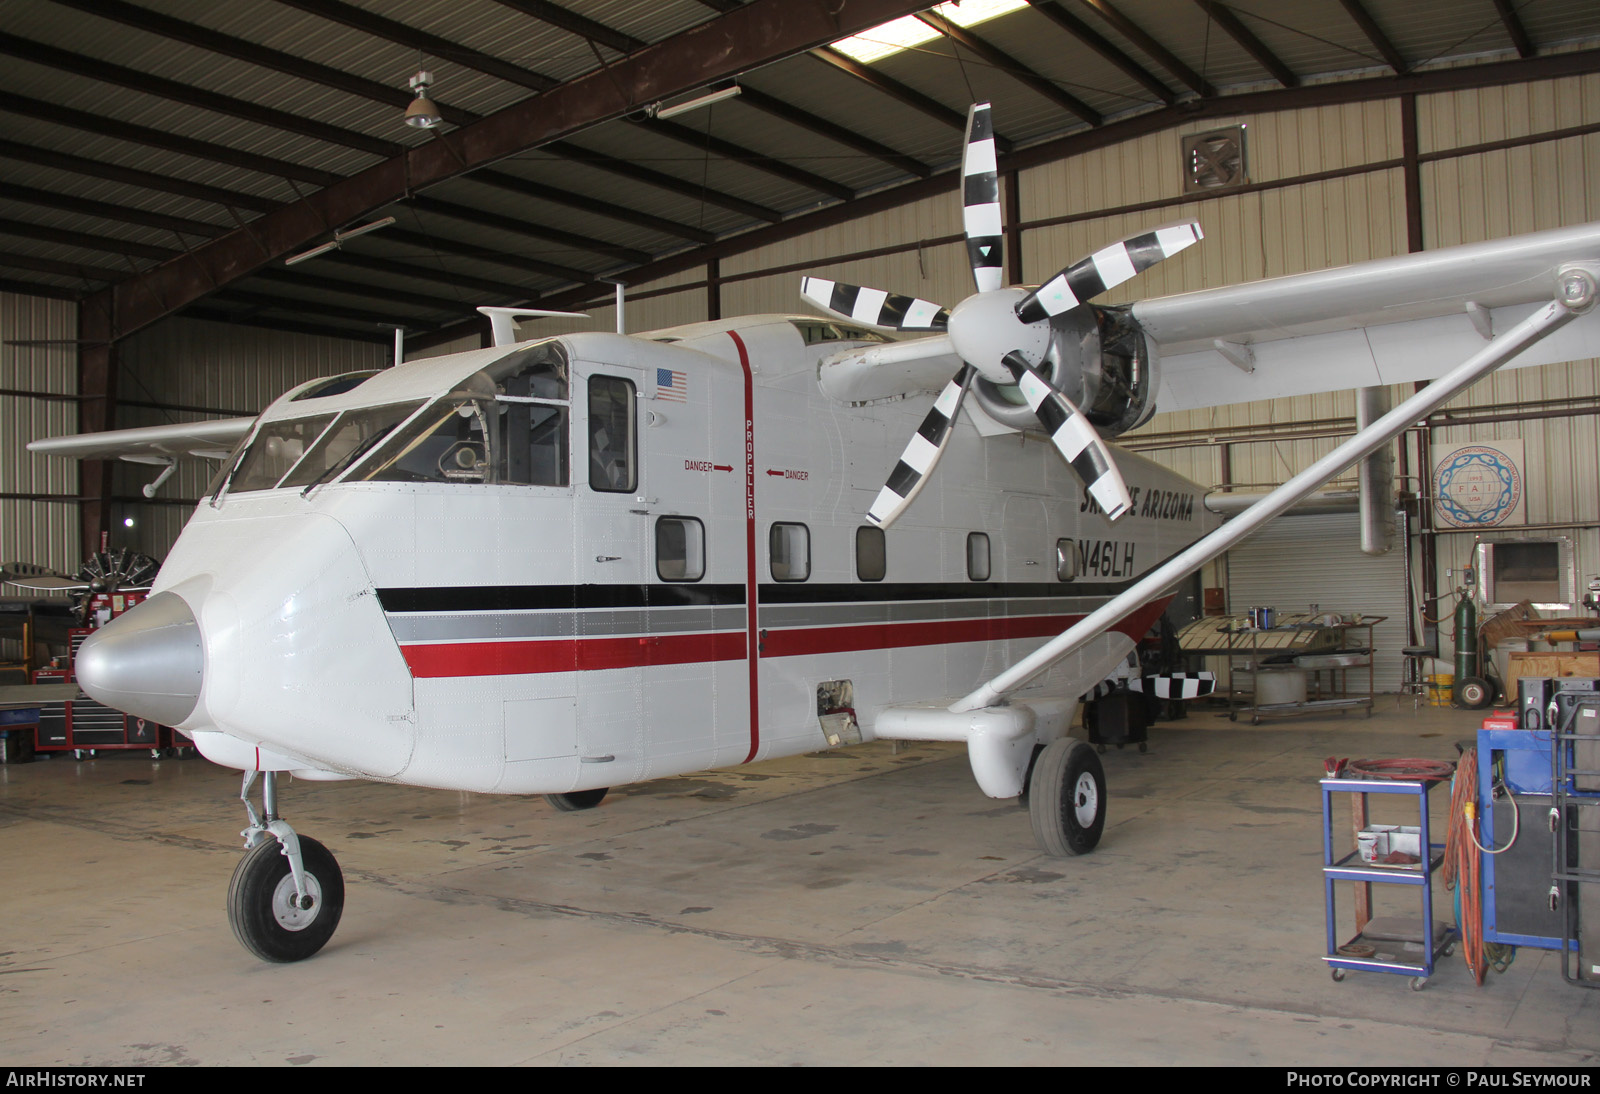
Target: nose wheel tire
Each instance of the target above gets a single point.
(1067, 798)
(264, 910)
(577, 799)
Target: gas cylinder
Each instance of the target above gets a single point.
(1471, 692)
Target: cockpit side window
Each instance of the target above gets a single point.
(532, 393)
(612, 435)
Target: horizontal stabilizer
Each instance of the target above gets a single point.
(1176, 685)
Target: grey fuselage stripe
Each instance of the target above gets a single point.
(602, 622)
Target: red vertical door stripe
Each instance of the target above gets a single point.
(752, 634)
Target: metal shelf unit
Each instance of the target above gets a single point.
(1336, 868)
(1246, 646)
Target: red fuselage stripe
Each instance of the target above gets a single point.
(569, 654)
(513, 658)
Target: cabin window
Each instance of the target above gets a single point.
(977, 556)
(789, 552)
(1066, 560)
(872, 557)
(680, 549)
(277, 447)
(355, 434)
(613, 436)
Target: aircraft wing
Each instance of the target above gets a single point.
(157, 444)
(1392, 320)
(1389, 321)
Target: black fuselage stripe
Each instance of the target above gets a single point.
(509, 598)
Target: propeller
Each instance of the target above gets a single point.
(1002, 334)
(117, 570)
(31, 575)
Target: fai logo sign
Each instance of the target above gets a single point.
(1479, 485)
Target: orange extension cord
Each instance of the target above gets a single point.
(1462, 866)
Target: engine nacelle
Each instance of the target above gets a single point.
(1100, 359)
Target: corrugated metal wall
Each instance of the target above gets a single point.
(933, 273)
(45, 532)
(42, 531)
(1517, 190)
(227, 370)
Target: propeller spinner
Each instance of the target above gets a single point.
(1002, 334)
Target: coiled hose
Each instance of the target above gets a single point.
(1463, 870)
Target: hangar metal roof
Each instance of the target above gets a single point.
(165, 156)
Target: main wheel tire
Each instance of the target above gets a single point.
(259, 909)
(1473, 693)
(1067, 799)
(578, 799)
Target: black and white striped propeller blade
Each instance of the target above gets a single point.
(922, 454)
(980, 200)
(874, 307)
(1001, 334)
(1074, 437)
(1105, 269)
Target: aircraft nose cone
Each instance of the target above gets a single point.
(146, 662)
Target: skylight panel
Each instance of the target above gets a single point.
(907, 32)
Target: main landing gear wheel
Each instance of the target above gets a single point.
(578, 799)
(265, 912)
(1067, 798)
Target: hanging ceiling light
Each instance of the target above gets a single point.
(717, 94)
(338, 239)
(423, 111)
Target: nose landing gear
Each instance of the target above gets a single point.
(287, 893)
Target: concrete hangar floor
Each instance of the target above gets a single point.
(854, 907)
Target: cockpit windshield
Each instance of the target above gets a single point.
(355, 434)
(278, 446)
(505, 424)
(303, 451)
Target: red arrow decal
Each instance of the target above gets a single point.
(779, 474)
(720, 467)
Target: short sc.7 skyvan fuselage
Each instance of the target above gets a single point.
(592, 560)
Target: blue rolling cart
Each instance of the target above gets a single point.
(1374, 952)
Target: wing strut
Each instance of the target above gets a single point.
(1576, 288)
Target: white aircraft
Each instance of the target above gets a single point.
(557, 566)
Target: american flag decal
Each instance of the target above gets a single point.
(672, 385)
